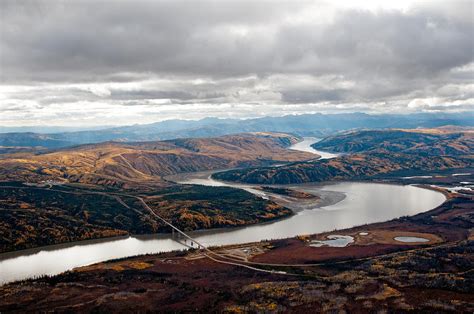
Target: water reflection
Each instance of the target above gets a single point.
(341, 206)
(365, 203)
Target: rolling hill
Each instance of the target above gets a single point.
(144, 163)
(370, 154)
(442, 141)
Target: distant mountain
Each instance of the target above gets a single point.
(48, 129)
(29, 139)
(303, 125)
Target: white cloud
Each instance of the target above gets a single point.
(82, 63)
(98, 90)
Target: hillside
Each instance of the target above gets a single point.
(33, 216)
(353, 167)
(370, 154)
(83, 192)
(144, 163)
(443, 141)
(374, 273)
(30, 139)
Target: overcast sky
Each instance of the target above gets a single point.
(88, 63)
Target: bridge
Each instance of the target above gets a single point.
(216, 257)
(176, 232)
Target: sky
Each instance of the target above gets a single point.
(112, 62)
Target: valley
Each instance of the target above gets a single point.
(373, 272)
(89, 191)
(141, 165)
(236, 157)
(371, 155)
(195, 200)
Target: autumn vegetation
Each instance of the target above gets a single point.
(365, 277)
(371, 154)
(144, 164)
(32, 217)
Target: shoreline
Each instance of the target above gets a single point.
(63, 245)
(186, 250)
(32, 251)
(326, 200)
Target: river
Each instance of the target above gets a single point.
(305, 146)
(340, 205)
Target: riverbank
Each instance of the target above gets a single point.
(336, 206)
(323, 197)
(372, 273)
(361, 206)
(40, 216)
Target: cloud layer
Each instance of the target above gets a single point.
(103, 62)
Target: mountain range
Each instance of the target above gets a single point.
(317, 125)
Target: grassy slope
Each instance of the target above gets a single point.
(126, 165)
(425, 142)
(359, 166)
(371, 153)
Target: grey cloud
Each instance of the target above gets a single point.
(314, 96)
(265, 53)
(148, 94)
(88, 40)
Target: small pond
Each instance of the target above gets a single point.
(334, 240)
(410, 239)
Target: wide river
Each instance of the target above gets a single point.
(342, 205)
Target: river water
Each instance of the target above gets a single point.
(340, 205)
(305, 146)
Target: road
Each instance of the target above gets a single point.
(216, 257)
(209, 253)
